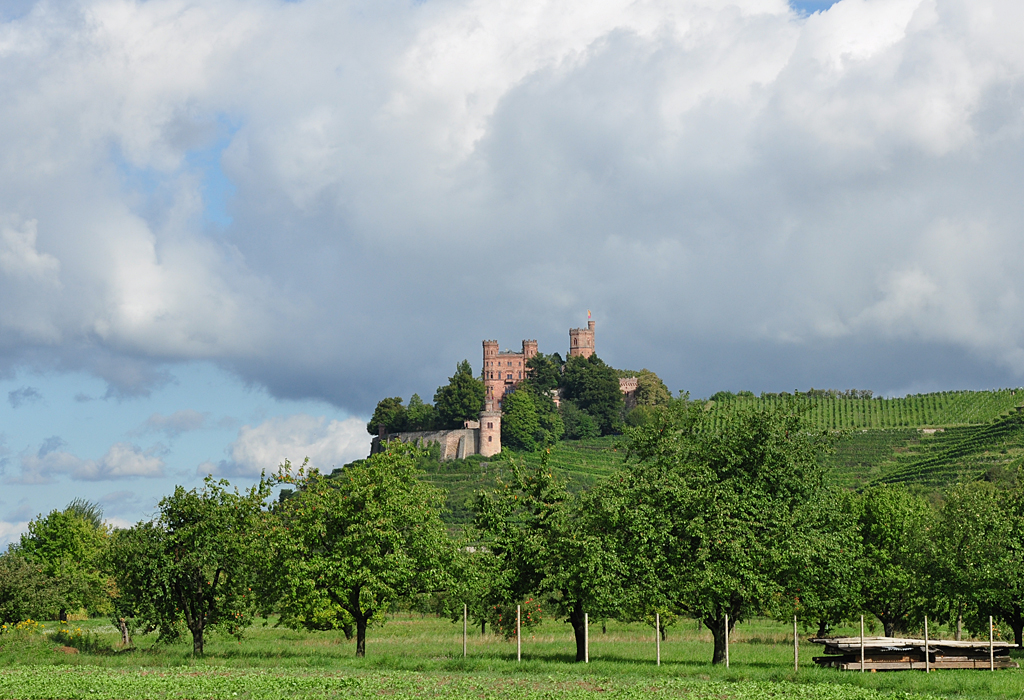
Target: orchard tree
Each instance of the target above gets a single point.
(594, 387)
(67, 545)
(461, 399)
(825, 573)
(543, 542)
(360, 541)
(711, 513)
(970, 540)
(894, 527)
(194, 563)
(26, 592)
(390, 415)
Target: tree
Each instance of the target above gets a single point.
(970, 540)
(26, 592)
(594, 387)
(650, 390)
(711, 512)
(360, 541)
(419, 415)
(578, 423)
(67, 545)
(827, 568)
(894, 527)
(1007, 601)
(390, 414)
(545, 542)
(519, 423)
(545, 371)
(461, 399)
(194, 563)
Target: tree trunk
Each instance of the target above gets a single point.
(663, 632)
(349, 630)
(959, 626)
(483, 627)
(1017, 625)
(361, 635)
(197, 640)
(125, 637)
(604, 627)
(822, 628)
(717, 627)
(579, 630)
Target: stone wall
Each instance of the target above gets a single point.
(455, 444)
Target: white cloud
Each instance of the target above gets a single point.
(702, 174)
(10, 532)
(122, 461)
(265, 447)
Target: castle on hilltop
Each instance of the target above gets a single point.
(502, 371)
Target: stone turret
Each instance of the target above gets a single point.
(581, 340)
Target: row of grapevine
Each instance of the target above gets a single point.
(916, 411)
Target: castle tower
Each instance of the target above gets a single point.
(490, 433)
(529, 349)
(581, 340)
(494, 388)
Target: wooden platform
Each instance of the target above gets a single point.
(906, 654)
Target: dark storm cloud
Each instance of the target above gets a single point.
(745, 195)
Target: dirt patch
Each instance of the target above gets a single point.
(67, 650)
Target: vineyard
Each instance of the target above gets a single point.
(929, 439)
(941, 409)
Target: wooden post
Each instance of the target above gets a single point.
(586, 638)
(519, 636)
(727, 640)
(796, 647)
(927, 663)
(862, 644)
(991, 651)
(465, 627)
(657, 636)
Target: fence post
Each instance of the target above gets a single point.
(796, 647)
(862, 644)
(586, 638)
(727, 640)
(465, 627)
(519, 635)
(991, 652)
(927, 663)
(657, 635)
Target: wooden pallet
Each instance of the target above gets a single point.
(904, 654)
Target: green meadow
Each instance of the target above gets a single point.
(415, 655)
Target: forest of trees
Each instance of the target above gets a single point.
(710, 518)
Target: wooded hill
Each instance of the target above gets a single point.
(929, 440)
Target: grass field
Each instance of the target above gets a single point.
(414, 656)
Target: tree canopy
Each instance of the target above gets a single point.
(461, 399)
(594, 387)
(359, 542)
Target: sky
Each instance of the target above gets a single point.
(229, 227)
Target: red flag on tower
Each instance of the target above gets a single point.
(588, 314)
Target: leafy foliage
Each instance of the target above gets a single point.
(461, 399)
(390, 415)
(594, 387)
(358, 543)
(26, 592)
(194, 563)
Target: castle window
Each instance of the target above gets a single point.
(490, 425)
(489, 438)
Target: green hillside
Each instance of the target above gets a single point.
(931, 440)
(938, 410)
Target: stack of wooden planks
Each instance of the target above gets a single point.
(899, 654)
